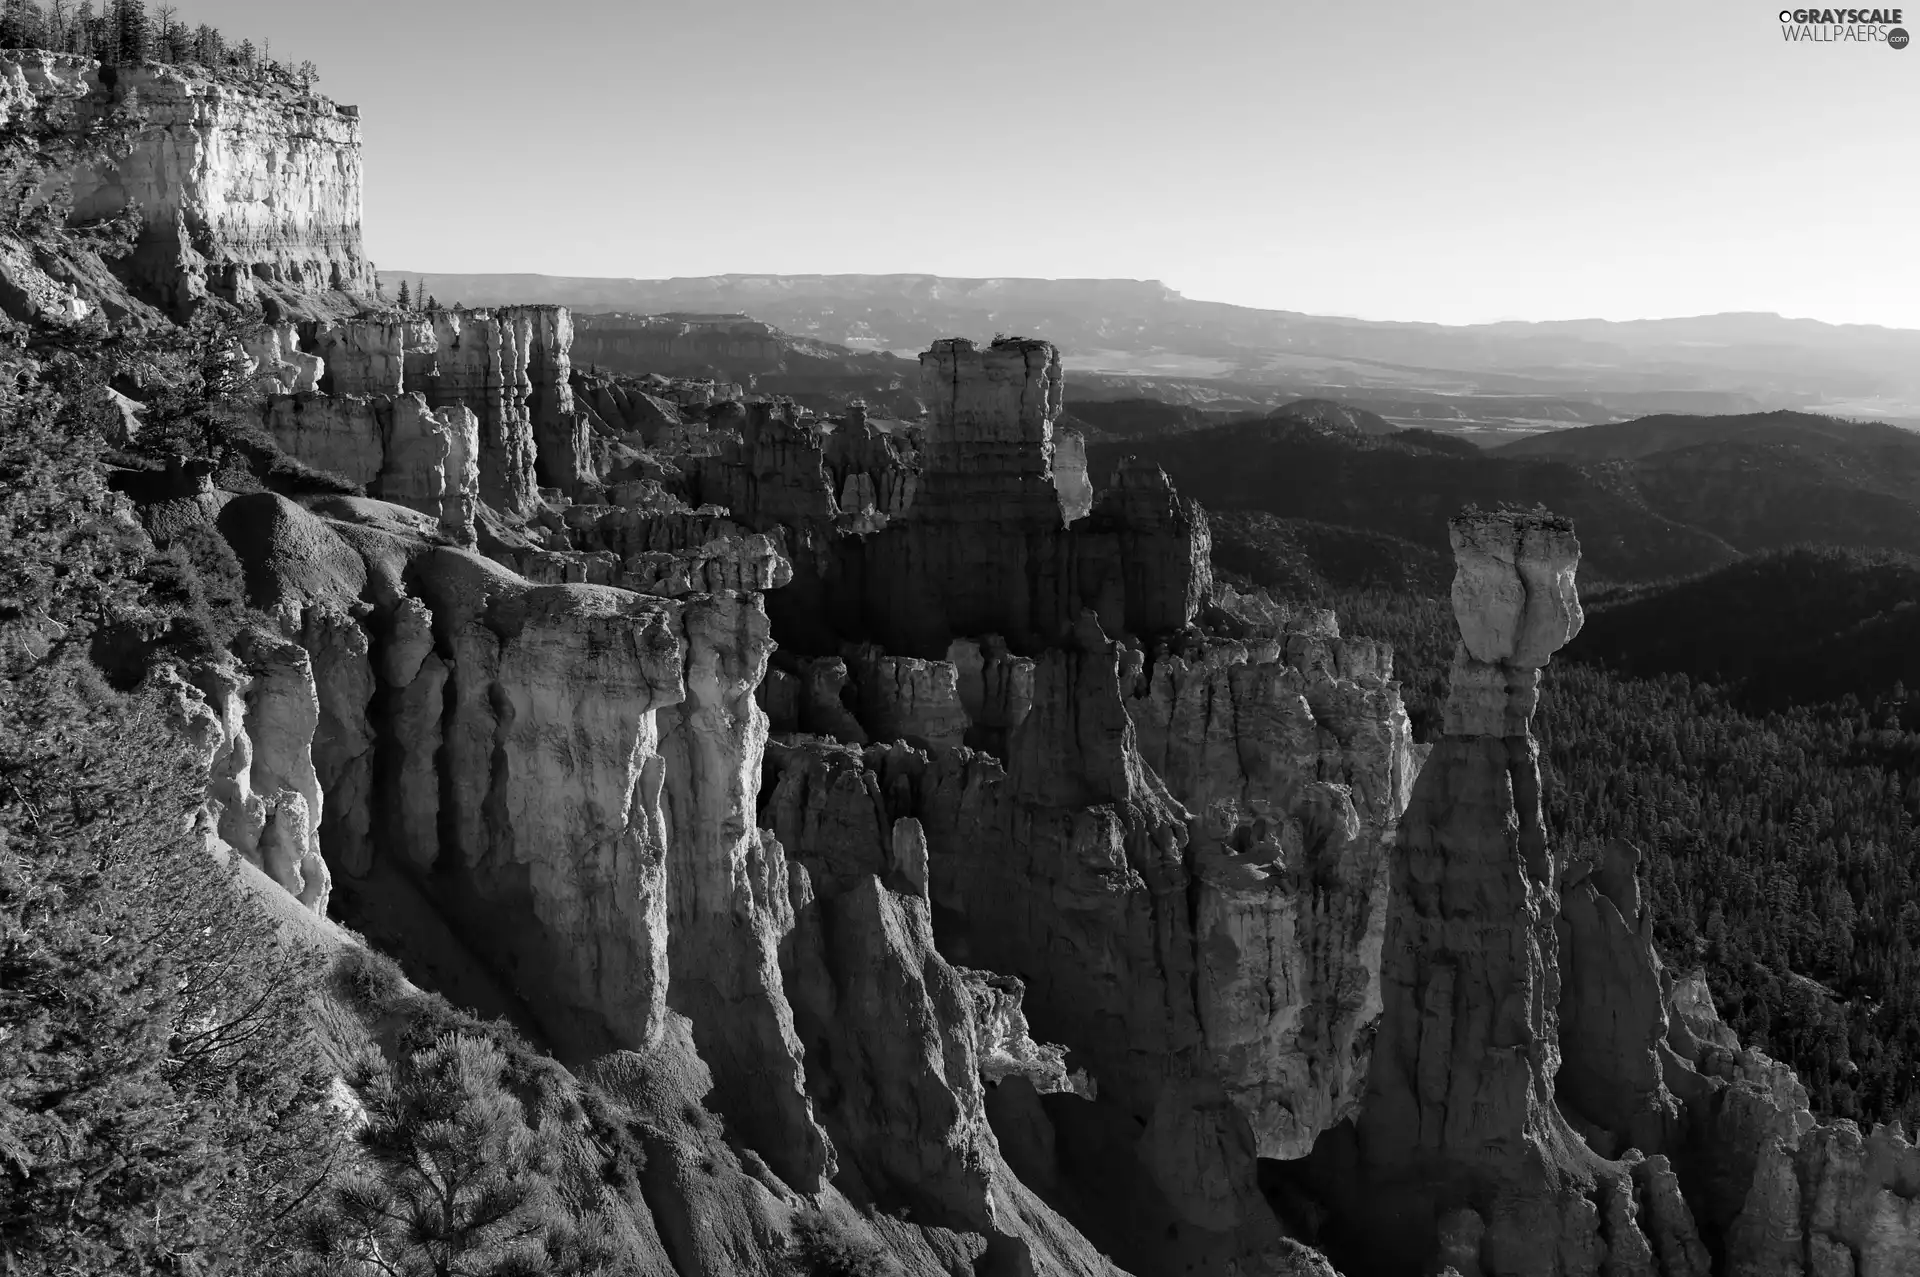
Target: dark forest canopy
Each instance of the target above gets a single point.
(122, 31)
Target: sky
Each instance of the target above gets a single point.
(1456, 162)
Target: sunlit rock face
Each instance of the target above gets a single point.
(252, 719)
(1514, 597)
(507, 370)
(395, 446)
(250, 193)
(373, 355)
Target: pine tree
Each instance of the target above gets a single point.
(166, 33)
(406, 298)
(59, 25)
(21, 26)
(461, 1182)
(209, 50)
(90, 32)
(132, 31)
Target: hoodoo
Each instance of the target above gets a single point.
(1543, 1096)
(1461, 1150)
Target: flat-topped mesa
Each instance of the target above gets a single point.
(679, 343)
(1516, 604)
(248, 192)
(990, 441)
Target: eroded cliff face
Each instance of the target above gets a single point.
(395, 446)
(559, 783)
(249, 192)
(509, 368)
(993, 868)
(989, 866)
(1176, 841)
(1043, 939)
(252, 719)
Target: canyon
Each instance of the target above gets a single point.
(899, 816)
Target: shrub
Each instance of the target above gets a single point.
(824, 1247)
(372, 981)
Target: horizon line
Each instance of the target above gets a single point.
(1125, 279)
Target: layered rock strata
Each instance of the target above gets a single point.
(510, 367)
(395, 446)
(249, 192)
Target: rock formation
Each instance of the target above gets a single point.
(894, 813)
(280, 367)
(678, 344)
(1543, 1095)
(902, 816)
(253, 720)
(508, 367)
(246, 192)
(1461, 1148)
(394, 445)
(374, 355)
(1260, 780)
(1099, 827)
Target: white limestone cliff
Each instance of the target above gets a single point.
(245, 191)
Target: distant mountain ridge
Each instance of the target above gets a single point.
(1667, 432)
(1143, 328)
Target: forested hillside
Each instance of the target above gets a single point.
(1657, 498)
(1801, 626)
(1407, 485)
